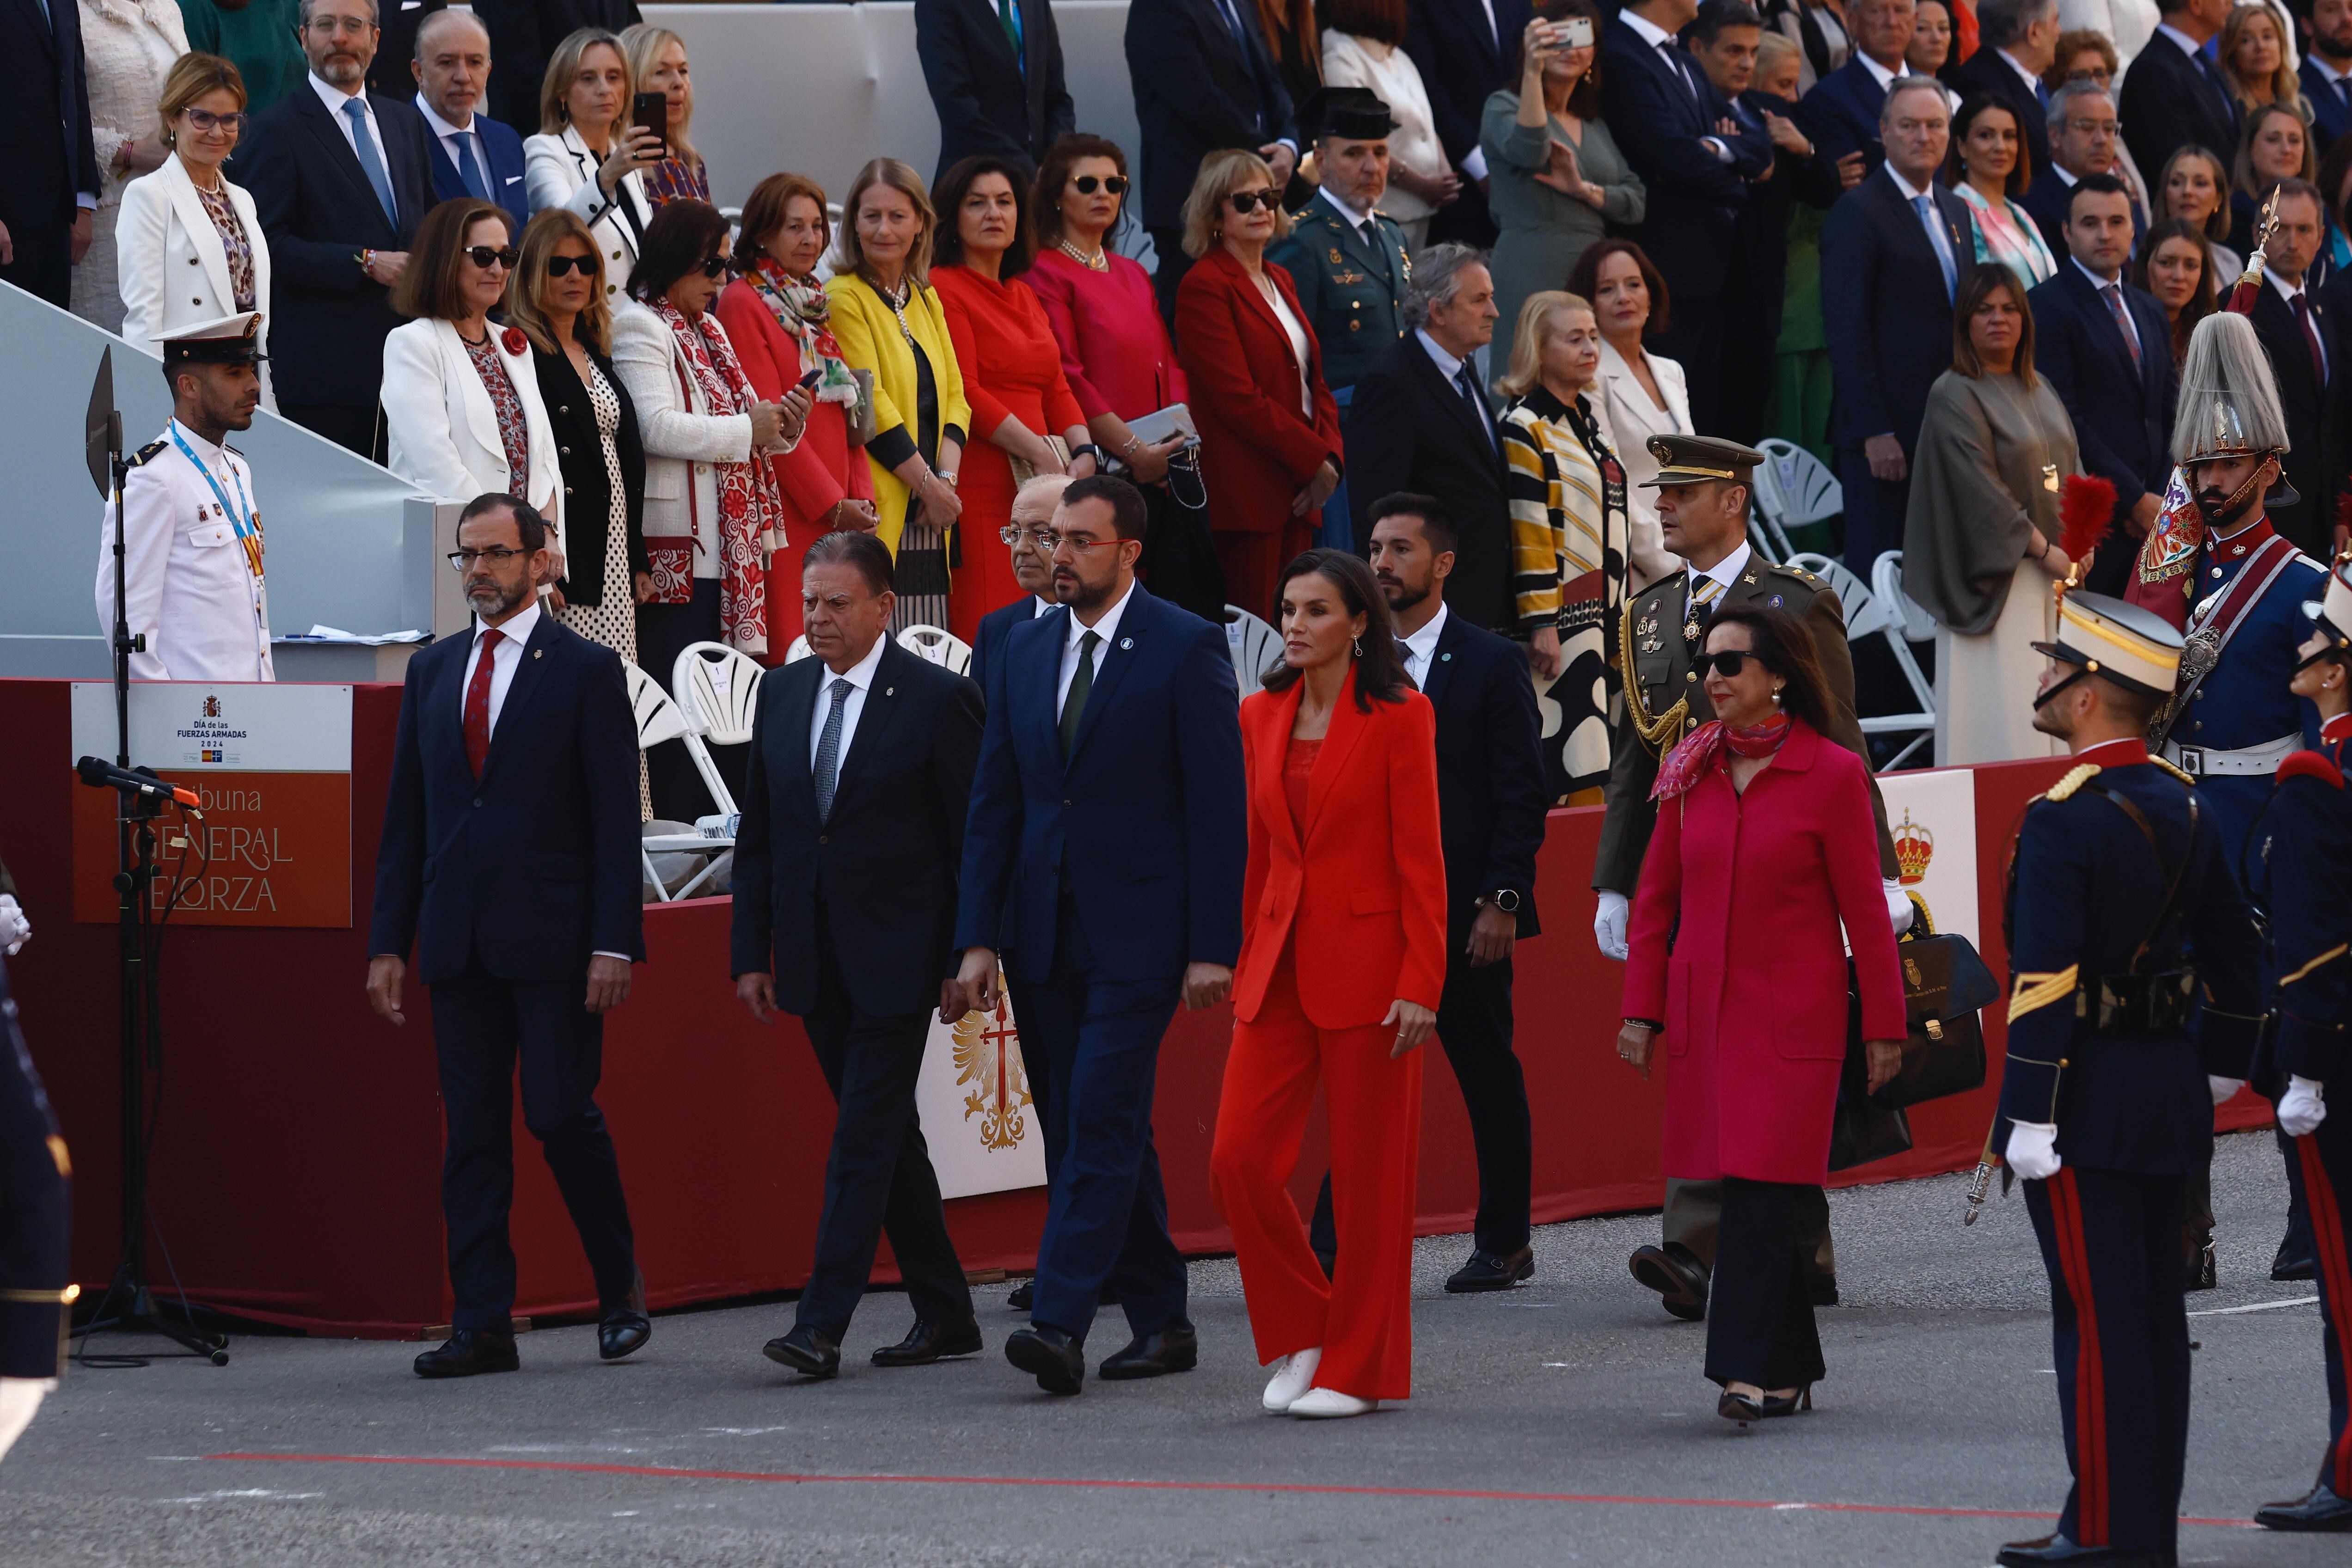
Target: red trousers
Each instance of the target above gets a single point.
(1361, 1316)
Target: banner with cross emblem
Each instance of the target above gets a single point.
(978, 1119)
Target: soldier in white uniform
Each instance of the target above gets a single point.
(192, 569)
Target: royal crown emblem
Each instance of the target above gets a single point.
(1913, 848)
(988, 1055)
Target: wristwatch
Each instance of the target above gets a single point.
(1087, 449)
(1504, 899)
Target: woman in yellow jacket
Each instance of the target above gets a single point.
(886, 317)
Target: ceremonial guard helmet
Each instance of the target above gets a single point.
(2229, 399)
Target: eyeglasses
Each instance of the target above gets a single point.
(1042, 538)
(2095, 127)
(1249, 201)
(714, 267)
(1728, 663)
(497, 556)
(1079, 543)
(483, 256)
(205, 119)
(557, 266)
(1114, 183)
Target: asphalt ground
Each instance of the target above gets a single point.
(1565, 1422)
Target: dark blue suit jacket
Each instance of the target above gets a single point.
(883, 865)
(1988, 71)
(534, 865)
(2121, 414)
(1695, 197)
(1460, 62)
(2051, 197)
(988, 99)
(1884, 313)
(2169, 99)
(994, 627)
(44, 115)
(1840, 114)
(2330, 117)
(1197, 91)
(505, 170)
(1147, 823)
(1490, 787)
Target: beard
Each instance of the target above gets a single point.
(1398, 597)
(2223, 511)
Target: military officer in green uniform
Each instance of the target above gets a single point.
(1703, 486)
(1345, 258)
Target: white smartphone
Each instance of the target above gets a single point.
(1573, 32)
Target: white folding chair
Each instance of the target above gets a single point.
(659, 720)
(719, 687)
(940, 648)
(1902, 622)
(1253, 645)
(798, 651)
(1793, 489)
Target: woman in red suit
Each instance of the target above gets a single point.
(1270, 448)
(1340, 970)
(1764, 845)
(776, 315)
(1012, 372)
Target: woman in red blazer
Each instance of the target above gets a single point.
(1341, 965)
(1764, 845)
(1270, 447)
(776, 315)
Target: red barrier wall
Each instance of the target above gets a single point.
(297, 1157)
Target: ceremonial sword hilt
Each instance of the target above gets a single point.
(1978, 1186)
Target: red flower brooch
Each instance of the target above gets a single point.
(513, 341)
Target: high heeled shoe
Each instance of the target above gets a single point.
(1789, 1405)
(1739, 1408)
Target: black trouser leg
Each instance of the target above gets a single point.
(1759, 1318)
(1474, 1023)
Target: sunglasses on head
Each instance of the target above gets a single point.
(1725, 664)
(1114, 183)
(1249, 201)
(482, 256)
(557, 266)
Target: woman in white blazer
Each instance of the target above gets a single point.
(588, 158)
(462, 412)
(188, 246)
(1643, 394)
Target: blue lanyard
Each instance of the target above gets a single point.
(248, 531)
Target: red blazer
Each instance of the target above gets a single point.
(1256, 448)
(1363, 898)
(823, 470)
(1753, 990)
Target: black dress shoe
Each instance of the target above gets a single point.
(1488, 1271)
(623, 1331)
(1175, 1348)
(2288, 1264)
(1788, 1403)
(2057, 1549)
(469, 1353)
(928, 1342)
(2200, 1274)
(1675, 1276)
(806, 1352)
(2321, 1510)
(1739, 1408)
(1057, 1361)
(1022, 1295)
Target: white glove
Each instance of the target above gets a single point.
(2224, 1088)
(15, 929)
(2302, 1108)
(2034, 1150)
(1609, 924)
(1899, 907)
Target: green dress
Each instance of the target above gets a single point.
(1799, 407)
(257, 37)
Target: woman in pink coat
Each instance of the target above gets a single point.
(1764, 845)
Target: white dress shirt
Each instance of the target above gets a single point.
(1422, 646)
(1939, 239)
(334, 98)
(1726, 572)
(505, 659)
(1360, 222)
(459, 143)
(1039, 604)
(1879, 73)
(1105, 628)
(860, 677)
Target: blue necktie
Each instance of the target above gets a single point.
(370, 164)
(1940, 242)
(469, 165)
(2042, 94)
(827, 770)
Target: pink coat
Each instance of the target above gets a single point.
(1753, 992)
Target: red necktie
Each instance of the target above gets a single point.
(477, 700)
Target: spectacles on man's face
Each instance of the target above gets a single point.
(1081, 544)
(1114, 183)
(486, 255)
(205, 119)
(1250, 201)
(497, 556)
(2095, 127)
(1042, 538)
(557, 266)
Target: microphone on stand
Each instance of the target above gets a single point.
(102, 775)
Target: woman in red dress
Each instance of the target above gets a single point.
(1270, 449)
(1764, 845)
(1340, 970)
(776, 315)
(1012, 372)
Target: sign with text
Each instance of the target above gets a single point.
(269, 843)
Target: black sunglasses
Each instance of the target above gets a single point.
(482, 256)
(557, 266)
(1249, 201)
(714, 267)
(1728, 663)
(1114, 183)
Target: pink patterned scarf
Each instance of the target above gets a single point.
(1686, 764)
(751, 509)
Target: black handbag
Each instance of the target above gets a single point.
(1862, 1129)
(1945, 987)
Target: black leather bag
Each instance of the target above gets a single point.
(1945, 988)
(1862, 1129)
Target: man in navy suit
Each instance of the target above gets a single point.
(1892, 253)
(1697, 161)
(1203, 81)
(2016, 42)
(340, 177)
(2299, 331)
(2107, 349)
(1107, 833)
(1464, 50)
(1032, 527)
(2085, 140)
(844, 901)
(49, 187)
(473, 155)
(510, 862)
(995, 74)
(2326, 73)
(1841, 113)
(2173, 96)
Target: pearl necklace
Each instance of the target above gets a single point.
(1093, 262)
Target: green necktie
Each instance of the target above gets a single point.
(1082, 682)
(1010, 19)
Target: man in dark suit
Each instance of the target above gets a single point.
(2084, 141)
(2016, 42)
(2173, 96)
(49, 187)
(2107, 349)
(845, 869)
(1695, 160)
(1464, 50)
(524, 33)
(2305, 343)
(1203, 80)
(1107, 834)
(1032, 521)
(473, 155)
(388, 73)
(510, 862)
(341, 178)
(2326, 73)
(996, 75)
(1889, 272)
(1841, 113)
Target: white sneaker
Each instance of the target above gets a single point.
(1294, 1375)
(1330, 1405)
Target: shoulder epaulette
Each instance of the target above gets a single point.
(144, 452)
(2311, 764)
(1303, 214)
(1799, 573)
(2189, 779)
(2076, 777)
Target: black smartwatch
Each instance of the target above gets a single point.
(1504, 899)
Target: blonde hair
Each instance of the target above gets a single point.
(1526, 372)
(563, 70)
(2282, 87)
(641, 45)
(1771, 48)
(899, 176)
(1221, 174)
(526, 284)
(192, 77)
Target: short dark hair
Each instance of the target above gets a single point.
(427, 289)
(947, 200)
(2293, 186)
(1715, 15)
(1380, 668)
(2132, 704)
(1786, 646)
(527, 520)
(683, 235)
(2001, 23)
(2099, 185)
(1437, 522)
(848, 547)
(763, 213)
(1129, 515)
(1046, 209)
(1585, 279)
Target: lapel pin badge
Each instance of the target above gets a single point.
(889, 691)
(1125, 643)
(537, 652)
(1445, 659)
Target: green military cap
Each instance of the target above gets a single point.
(1695, 459)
